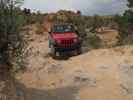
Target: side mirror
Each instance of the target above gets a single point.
(77, 32)
(49, 32)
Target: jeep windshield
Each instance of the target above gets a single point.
(63, 28)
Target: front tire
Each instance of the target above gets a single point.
(79, 51)
(52, 51)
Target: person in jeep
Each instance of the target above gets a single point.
(64, 38)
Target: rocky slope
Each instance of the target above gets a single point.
(97, 75)
(7, 86)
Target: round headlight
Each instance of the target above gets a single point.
(59, 41)
(75, 40)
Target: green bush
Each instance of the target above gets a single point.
(128, 39)
(40, 28)
(92, 41)
(11, 39)
(125, 23)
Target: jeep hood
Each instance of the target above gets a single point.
(70, 35)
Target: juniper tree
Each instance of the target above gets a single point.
(9, 27)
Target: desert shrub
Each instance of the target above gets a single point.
(27, 18)
(97, 22)
(125, 24)
(91, 41)
(40, 28)
(80, 25)
(11, 39)
(39, 17)
(128, 39)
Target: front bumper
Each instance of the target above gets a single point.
(67, 49)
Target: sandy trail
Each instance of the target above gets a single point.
(105, 74)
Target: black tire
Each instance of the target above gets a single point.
(79, 51)
(53, 51)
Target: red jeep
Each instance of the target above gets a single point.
(63, 38)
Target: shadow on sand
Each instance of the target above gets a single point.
(66, 55)
(65, 93)
(14, 90)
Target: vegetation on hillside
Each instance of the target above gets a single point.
(11, 41)
(13, 19)
(86, 26)
(125, 23)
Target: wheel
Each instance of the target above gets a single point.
(79, 51)
(52, 51)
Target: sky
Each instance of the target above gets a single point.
(87, 7)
